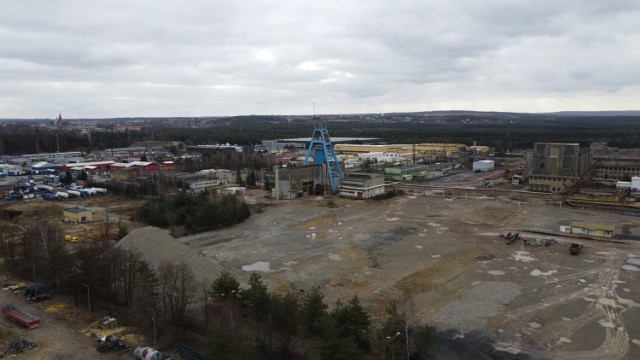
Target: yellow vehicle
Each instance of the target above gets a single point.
(72, 239)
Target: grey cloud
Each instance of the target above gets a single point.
(122, 58)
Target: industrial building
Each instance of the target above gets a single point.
(406, 172)
(557, 167)
(11, 170)
(80, 214)
(422, 150)
(362, 185)
(633, 185)
(44, 166)
(142, 165)
(199, 186)
(234, 190)
(483, 165)
(298, 181)
(613, 164)
(420, 171)
(53, 157)
(303, 143)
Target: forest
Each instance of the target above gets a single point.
(501, 131)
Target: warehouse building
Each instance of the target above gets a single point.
(362, 185)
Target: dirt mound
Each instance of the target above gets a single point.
(447, 268)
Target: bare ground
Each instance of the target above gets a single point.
(446, 257)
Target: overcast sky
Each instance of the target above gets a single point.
(196, 58)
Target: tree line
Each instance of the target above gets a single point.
(498, 130)
(252, 323)
(197, 213)
(235, 322)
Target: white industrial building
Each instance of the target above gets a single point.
(483, 165)
(11, 170)
(236, 190)
(635, 183)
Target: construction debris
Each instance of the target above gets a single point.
(110, 343)
(108, 323)
(19, 346)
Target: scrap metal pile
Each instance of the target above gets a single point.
(19, 346)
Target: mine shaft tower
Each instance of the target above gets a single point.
(322, 151)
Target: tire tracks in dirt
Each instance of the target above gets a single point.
(605, 307)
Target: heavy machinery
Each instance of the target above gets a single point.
(511, 238)
(574, 249)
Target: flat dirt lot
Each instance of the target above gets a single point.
(446, 256)
(64, 333)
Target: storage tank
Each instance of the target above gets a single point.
(147, 353)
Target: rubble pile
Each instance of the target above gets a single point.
(110, 343)
(19, 346)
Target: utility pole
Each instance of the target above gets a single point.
(153, 309)
(88, 297)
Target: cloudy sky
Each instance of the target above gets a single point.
(197, 58)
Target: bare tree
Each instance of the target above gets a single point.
(178, 290)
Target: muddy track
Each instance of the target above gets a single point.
(604, 308)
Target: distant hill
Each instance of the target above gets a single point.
(597, 113)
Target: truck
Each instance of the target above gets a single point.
(20, 317)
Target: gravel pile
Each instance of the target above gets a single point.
(157, 246)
